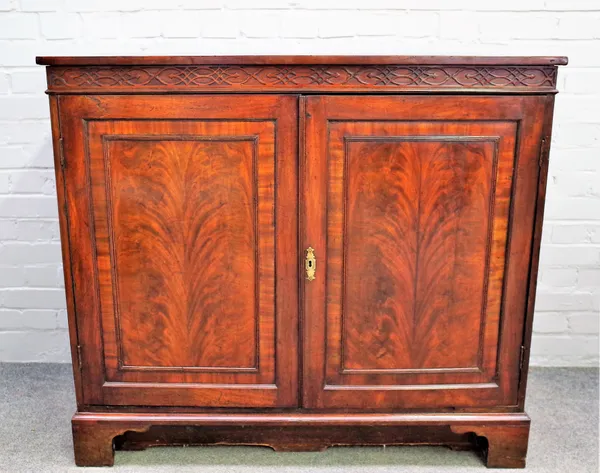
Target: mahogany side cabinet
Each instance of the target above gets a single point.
(301, 251)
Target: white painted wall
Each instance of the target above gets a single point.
(32, 315)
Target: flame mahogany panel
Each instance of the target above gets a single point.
(417, 217)
(190, 244)
(185, 248)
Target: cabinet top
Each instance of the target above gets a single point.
(301, 74)
(302, 60)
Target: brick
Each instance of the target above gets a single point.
(337, 25)
(4, 183)
(13, 319)
(299, 24)
(4, 83)
(589, 278)
(260, 25)
(574, 159)
(102, 25)
(62, 320)
(192, 5)
(177, 26)
(564, 345)
(7, 5)
(18, 26)
(577, 109)
(257, 4)
(546, 234)
(552, 302)
(35, 298)
(577, 135)
(142, 24)
(23, 132)
(28, 82)
(60, 25)
(579, 26)
(576, 233)
(581, 81)
(550, 322)
(560, 255)
(559, 277)
(571, 5)
(507, 5)
(42, 276)
(29, 206)
(37, 230)
(472, 5)
(32, 182)
(12, 253)
(16, 108)
(586, 322)
(35, 346)
(458, 25)
(22, 55)
(573, 208)
(387, 24)
(12, 276)
(576, 184)
(8, 230)
(94, 6)
(304, 4)
(220, 25)
(415, 25)
(506, 26)
(41, 5)
(18, 157)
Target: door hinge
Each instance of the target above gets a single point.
(62, 154)
(522, 357)
(543, 153)
(79, 359)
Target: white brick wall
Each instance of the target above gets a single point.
(32, 315)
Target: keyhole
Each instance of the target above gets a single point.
(310, 264)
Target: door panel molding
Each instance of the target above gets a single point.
(507, 128)
(109, 147)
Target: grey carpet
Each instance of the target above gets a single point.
(37, 401)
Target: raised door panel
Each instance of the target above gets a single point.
(409, 207)
(194, 279)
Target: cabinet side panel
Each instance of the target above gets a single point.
(65, 242)
(536, 244)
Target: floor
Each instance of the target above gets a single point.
(37, 401)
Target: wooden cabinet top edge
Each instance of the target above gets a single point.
(302, 60)
(302, 74)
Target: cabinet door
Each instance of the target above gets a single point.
(182, 232)
(420, 211)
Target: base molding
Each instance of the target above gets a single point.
(502, 437)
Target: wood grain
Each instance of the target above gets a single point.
(503, 437)
(183, 237)
(301, 60)
(417, 225)
(415, 266)
(302, 78)
(184, 218)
